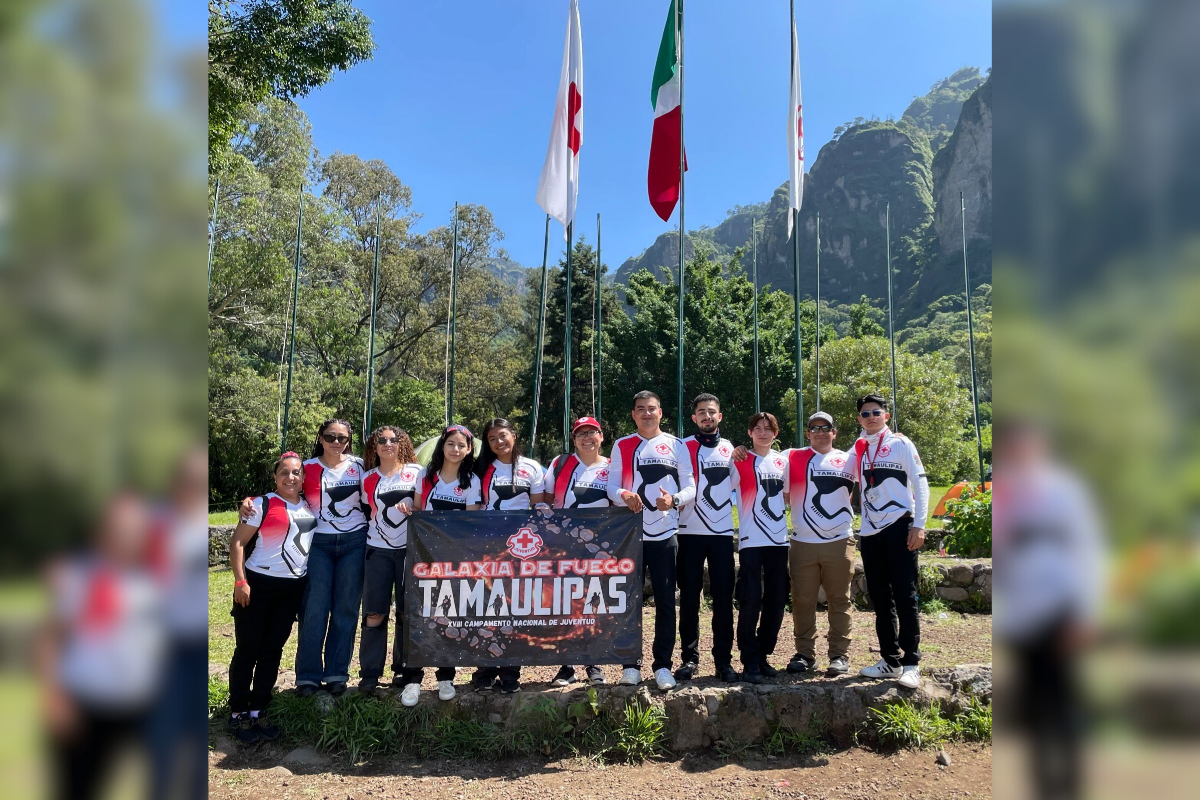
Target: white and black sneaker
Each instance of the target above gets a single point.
(565, 676)
(595, 676)
(838, 666)
(910, 676)
(880, 669)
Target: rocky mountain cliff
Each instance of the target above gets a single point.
(850, 184)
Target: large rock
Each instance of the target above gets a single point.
(218, 545)
(306, 756)
(965, 165)
(961, 574)
(955, 594)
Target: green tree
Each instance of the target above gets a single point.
(932, 408)
(865, 320)
(274, 48)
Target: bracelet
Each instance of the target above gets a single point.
(240, 583)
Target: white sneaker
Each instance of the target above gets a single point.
(880, 669)
(910, 677)
(664, 679)
(632, 676)
(410, 695)
(446, 690)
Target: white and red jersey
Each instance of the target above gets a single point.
(892, 479)
(389, 525)
(285, 532)
(819, 490)
(434, 494)
(114, 638)
(508, 487)
(712, 510)
(759, 483)
(335, 495)
(644, 466)
(577, 485)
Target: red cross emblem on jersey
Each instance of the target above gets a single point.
(458, 492)
(838, 461)
(352, 472)
(723, 450)
(778, 463)
(884, 450)
(602, 474)
(522, 473)
(525, 543)
(663, 448)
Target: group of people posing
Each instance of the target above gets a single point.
(332, 538)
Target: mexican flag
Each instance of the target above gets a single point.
(662, 177)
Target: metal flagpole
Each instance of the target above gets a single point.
(817, 345)
(374, 306)
(799, 350)
(599, 328)
(754, 238)
(453, 320)
(567, 343)
(212, 236)
(287, 401)
(682, 239)
(537, 369)
(891, 327)
(971, 339)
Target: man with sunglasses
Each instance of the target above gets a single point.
(821, 479)
(895, 504)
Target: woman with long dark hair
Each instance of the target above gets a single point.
(509, 482)
(447, 484)
(391, 481)
(333, 489)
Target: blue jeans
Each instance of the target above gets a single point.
(329, 617)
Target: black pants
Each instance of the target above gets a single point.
(1048, 708)
(694, 549)
(762, 592)
(383, 573)
(84, 760)
(260, 631)
(891, 572)
(658, 558)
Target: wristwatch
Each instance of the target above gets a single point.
(675, 501)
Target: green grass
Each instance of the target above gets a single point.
(903, 725)
(223, 518)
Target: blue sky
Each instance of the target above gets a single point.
(459, 98)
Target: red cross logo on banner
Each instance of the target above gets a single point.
(525, 543)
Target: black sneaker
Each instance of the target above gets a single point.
(266, 731)
(565, 676)
(595, 676)
(686, 672)
(336, 688)
(510, 687)
(485, 687)
(727, 673)
(767, 670)
(837, 666)
(243, 728)
(368, 685)
(751, 675)
(800, 663)
(307, 690)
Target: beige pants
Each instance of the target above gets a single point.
(828, 564)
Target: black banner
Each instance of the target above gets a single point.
(523, 588)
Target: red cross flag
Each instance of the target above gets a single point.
(558, 186)
(795, 135)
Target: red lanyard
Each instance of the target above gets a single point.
(871, 463)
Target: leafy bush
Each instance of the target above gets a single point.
(218, 697)
(975, 723)
(969, 525)
(784, 738)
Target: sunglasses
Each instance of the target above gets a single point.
(872, 412)
(387, 441)
(331, 438)
(820, 428)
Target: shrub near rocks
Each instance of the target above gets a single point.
(969, 524)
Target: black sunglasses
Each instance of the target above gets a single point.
(871, 412)
(332, 438)
(820, 428)
(386, 440)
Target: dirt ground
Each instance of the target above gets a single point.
(946, 640)
(851, 773)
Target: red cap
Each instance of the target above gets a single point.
(585, 422)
